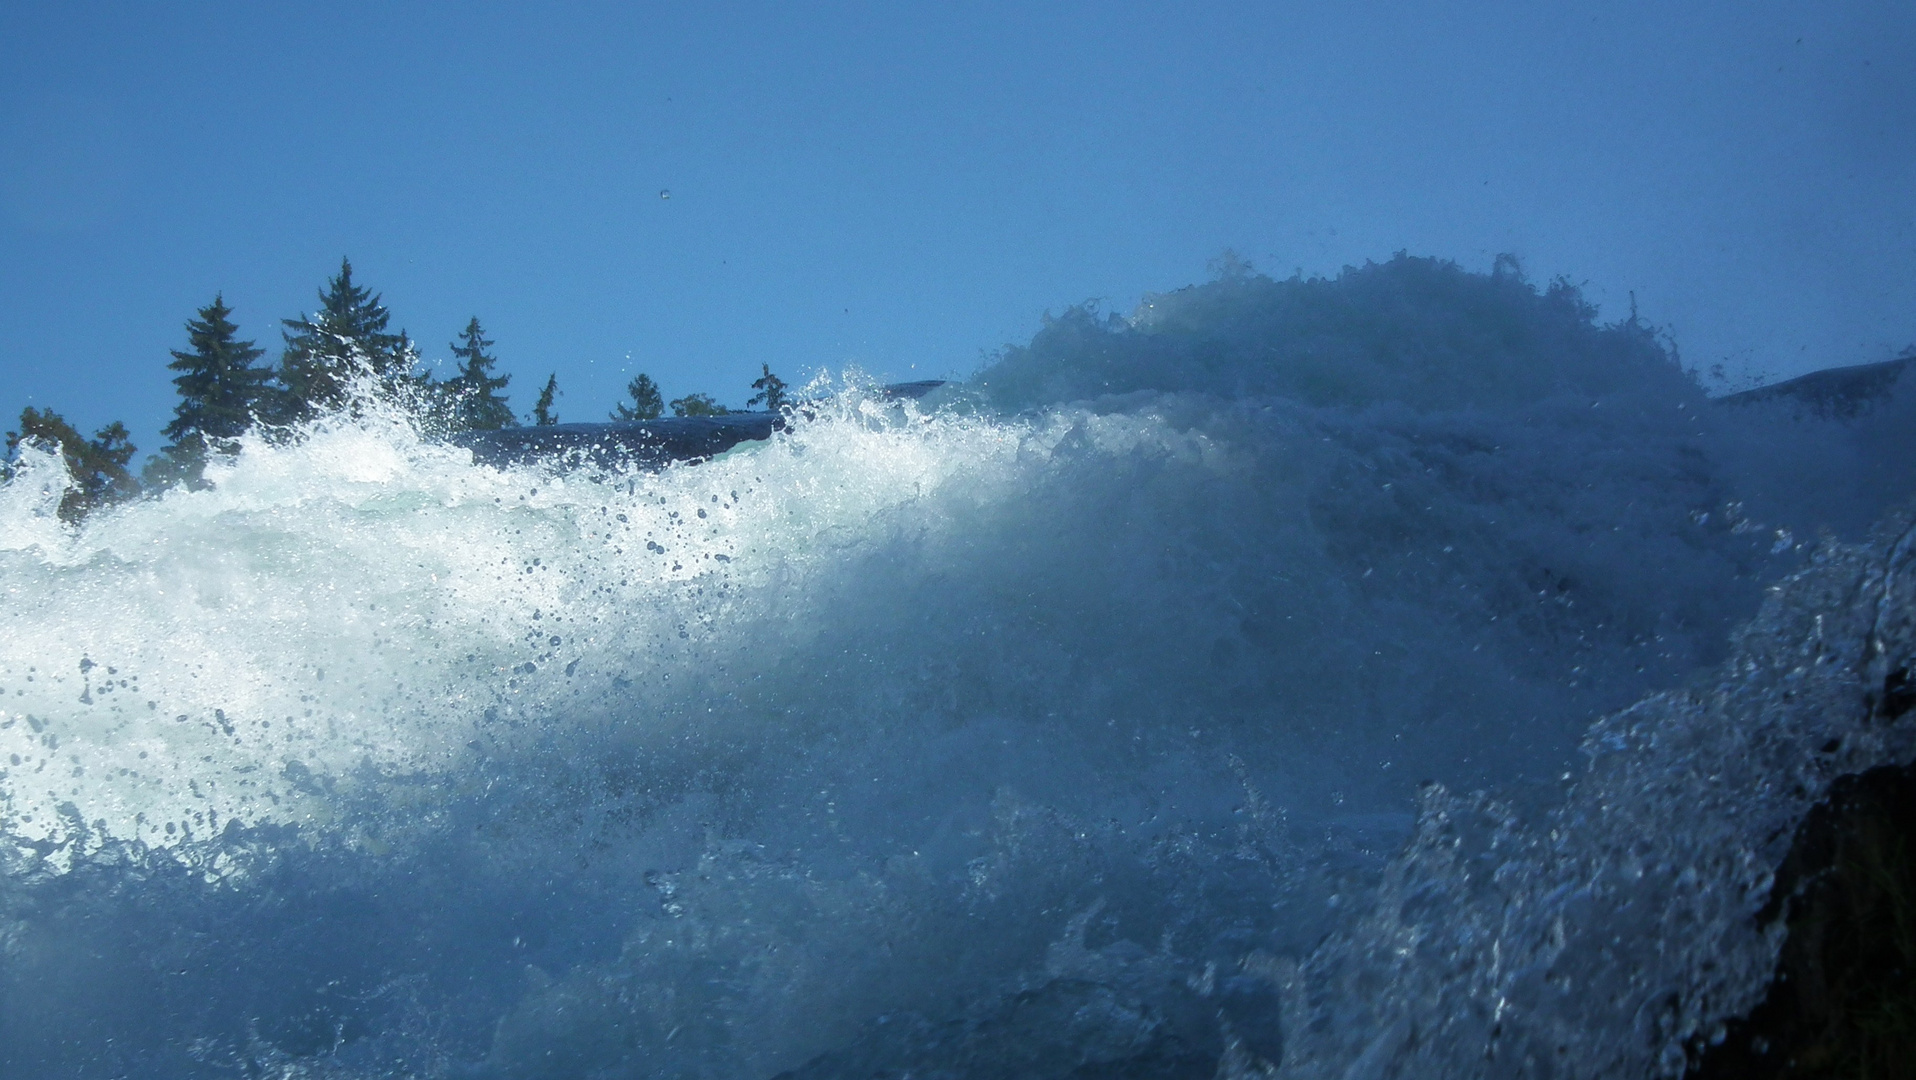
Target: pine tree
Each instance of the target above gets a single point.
(474, 392)
(221, 392)
(98, 465)
(771, 390)
(698, 405)
(347, 336)
(542, 414)
(647, 403)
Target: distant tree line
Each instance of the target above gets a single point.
(225, 392)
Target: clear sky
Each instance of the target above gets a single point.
(904, 187)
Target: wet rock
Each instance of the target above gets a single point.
(1843, 1002)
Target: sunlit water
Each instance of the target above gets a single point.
(1054, 724)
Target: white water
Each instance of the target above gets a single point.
(371, 761)
(366, 605)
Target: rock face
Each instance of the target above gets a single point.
(1833, 392)
(1843, 1002)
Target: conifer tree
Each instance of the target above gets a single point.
(474, 392)
(98, 465)
(647, 403)
(221, 392)
(771, 390)
(698, 405)
(345, 337)
(542, 414)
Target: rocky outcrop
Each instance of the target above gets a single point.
(1843, 1002)
(1833, 392)
(648, 443)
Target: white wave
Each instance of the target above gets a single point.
(897, 714)
(361, 603)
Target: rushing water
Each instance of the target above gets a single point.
(1085, 717)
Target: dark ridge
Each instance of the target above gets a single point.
(912, 391)
(1833, 392)
(1843, 1002)
(648, 443)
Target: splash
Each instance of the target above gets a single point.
(1049, 724)
(358, 607)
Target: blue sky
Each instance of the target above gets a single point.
(905, 187)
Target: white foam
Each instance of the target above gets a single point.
(353, 604)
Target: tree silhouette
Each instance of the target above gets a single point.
(698, 405)
(542, 414)
(221, 394)
(473, 394)
(771, 390)
(346, 337)
(97, 465)
(647, 404)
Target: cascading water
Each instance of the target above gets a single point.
(1078, 720)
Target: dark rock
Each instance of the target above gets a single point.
(645, 442)
(1833, 392)
(1843, 1002)
(912, 391)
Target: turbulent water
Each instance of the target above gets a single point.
(1099, 717)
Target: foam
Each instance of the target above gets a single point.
(1110, 680)
(362, 603)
